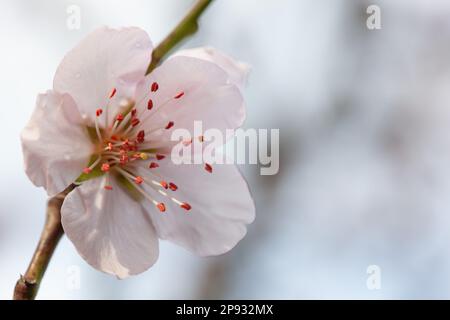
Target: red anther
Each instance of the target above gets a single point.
(133, 112)
(173, 186)
(170, 125)
(98, 112)
(187, 142)
(160, 157)
(161, 207)
(108, 187)
(87, 170)
(138, 180)
(208, 167)
(154, 87)
(135, 122)
(105, 167)
(150, 104)
(186, 206)
(153, 165)
(119, 117)
(164, 184)
(141, 136)
(113, 92)
(114, 137)
(178, 96)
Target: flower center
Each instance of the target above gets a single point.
(123, 147)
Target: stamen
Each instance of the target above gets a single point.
(161, 207)
(153, 165)
(160, 157)
(138, 180)
(134, 122)
(154, 87)
(107, 186)
(208, 167)
(98, 112)
(113, 93)
(105, 167)
(178, 96)
(88, 170)
(150, 115)
(186, 206)
(123, 121)
(143, 156)
(150, 104)
(173, 186)
(169, 125)
(129, 177)
(141, 136)
(97, 129)
(164, 184)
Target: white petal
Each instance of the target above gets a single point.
(55, 144)
(110, 230)
(105, 59)
(208, 97)
(221, 207)
(237, 71)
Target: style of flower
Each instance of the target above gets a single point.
(106, 127)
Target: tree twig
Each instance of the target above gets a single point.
(187, 27)
(28, 284)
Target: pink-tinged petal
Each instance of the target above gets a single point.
(55, 144)
(106, 59)
(109, 229)
(207, 96)
(218, 207)
(237, 71)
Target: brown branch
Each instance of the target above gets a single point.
(187, 27)
(28, 284)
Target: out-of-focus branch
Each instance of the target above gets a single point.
(187, 27)
(28, 284)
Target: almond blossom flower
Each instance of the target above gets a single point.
(106, 127)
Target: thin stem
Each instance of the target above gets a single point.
(28, 284)
(187, 27)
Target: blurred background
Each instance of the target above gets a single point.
(364, 119)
